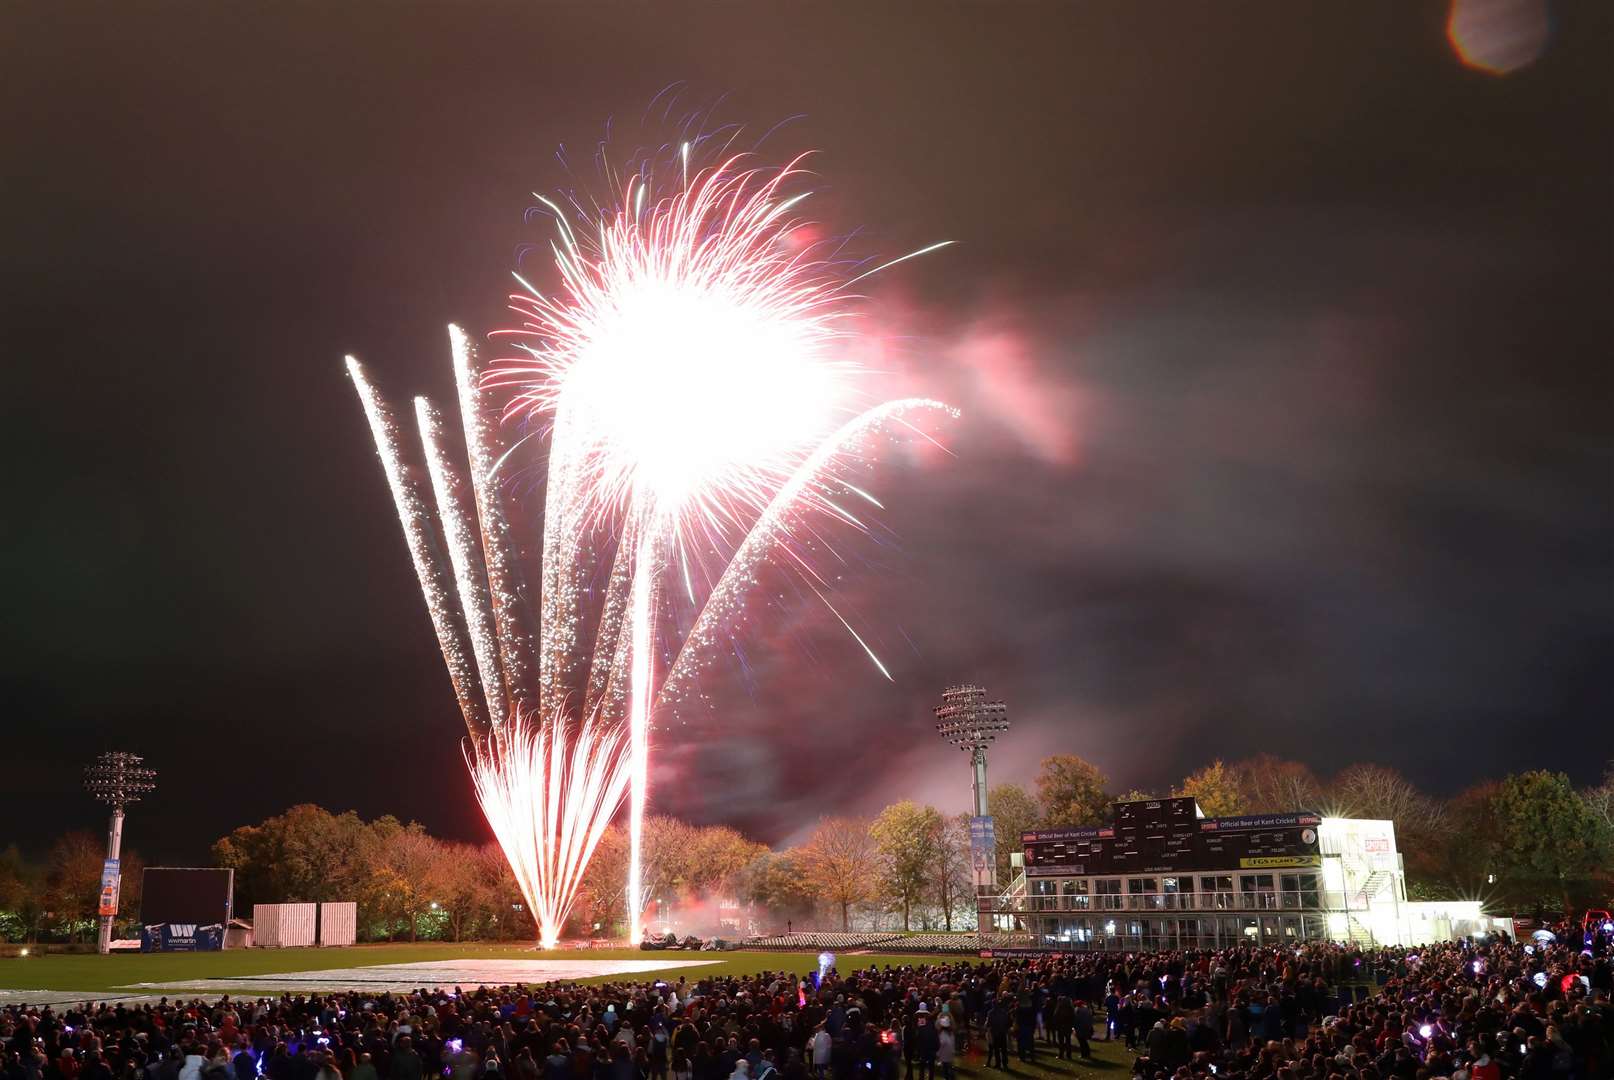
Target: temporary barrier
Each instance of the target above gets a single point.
(338, 923)
(283, 925)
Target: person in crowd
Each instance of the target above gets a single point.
(822, 1044)
(1082, 1027)
(998, 1022)
(406, 1063)
(925, 1045)
(1062, 1021)
(946, 1046)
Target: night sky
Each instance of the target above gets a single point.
(1281, 337)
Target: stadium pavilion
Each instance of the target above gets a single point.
(1164, 876)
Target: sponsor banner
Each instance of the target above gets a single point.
(983, 851)
(988, 954)
(181, 937)
(983, 842)
(1273, 862)
(1086, 832)
(1057, 870)
(111, 878)
(1258, 821)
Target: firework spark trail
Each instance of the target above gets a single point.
(564, 573)
(549, 792)
(641, 688)
(610, 644)
(510, 608)
(548, 786)
(416, 519)
(770, 529)
(465, 555)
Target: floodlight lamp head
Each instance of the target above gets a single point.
(967, 720)
(118, 779)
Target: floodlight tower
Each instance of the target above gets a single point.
(970, 722)
(117, 779)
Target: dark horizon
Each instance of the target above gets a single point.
(1276, 339)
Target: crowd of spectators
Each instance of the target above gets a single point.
(1488, 1010)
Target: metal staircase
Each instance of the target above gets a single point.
(1376, 882)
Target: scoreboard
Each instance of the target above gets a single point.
(1169, 836)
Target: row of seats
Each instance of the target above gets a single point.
(959, 943)
(955, 943)
(813, 940)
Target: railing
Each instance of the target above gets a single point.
(1279, 900)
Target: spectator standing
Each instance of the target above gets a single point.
(1082, 1026)
(946, 1046)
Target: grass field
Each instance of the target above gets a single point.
(112, 975)
(94, 974)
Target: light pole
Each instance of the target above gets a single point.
(117, 779)
(970, 722)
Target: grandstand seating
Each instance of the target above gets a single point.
(813, 940)
(892, 943)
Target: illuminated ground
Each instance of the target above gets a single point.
(266, 970)
(69, 979)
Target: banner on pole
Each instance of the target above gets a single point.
(111, 877)
(983, 849)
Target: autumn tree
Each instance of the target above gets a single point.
(841, 863)
(667, 855)
(1374, 791)
(1071, 792)
(22, 896)
(507, 906)
(1216, 789)
(306, 855)
(1551, 843)
(600, 899)
(777, 881)
(1272, 785)
(1600, 799)
(1470, 857)
(456, 884)
(906, 836)
(953, 874)
(1014, 811)
(1136, 795)
(719, 855)
(402, 879)
(72, 881)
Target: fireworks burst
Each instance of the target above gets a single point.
(692, 370)
(549, 793)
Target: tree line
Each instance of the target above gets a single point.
(58, 897)
(1526, 842)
